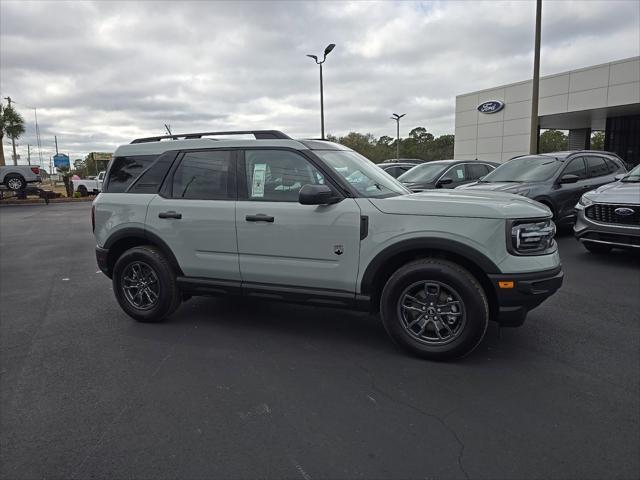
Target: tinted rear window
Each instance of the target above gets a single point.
(125, 170)
(151, 180)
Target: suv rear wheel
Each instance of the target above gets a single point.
(435, 309)
(145, 284)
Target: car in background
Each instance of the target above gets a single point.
(90, 185)
(395, 169)
(609, 216)
(16, 177)
(556, 180)
(445, 174)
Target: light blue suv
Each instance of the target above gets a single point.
(314, 222)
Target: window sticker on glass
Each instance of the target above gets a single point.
(460, 173)
(259, 171)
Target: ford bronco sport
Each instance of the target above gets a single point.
(314, 222)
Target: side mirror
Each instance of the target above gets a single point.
(569, 178)
(619, 177)
(317, 195)
(444, 181)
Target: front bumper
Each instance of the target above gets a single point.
(616, 235)
(518, 293)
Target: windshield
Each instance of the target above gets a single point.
(632, 176)
(362, 174)
(525, 169)
(422, 173)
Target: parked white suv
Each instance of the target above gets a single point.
(314, 222)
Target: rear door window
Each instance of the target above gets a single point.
(576, 167)
(476, 170)
(613, 166)
(204, 176)
(597, 167)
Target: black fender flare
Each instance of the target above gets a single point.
(147, 237)
(440, 244)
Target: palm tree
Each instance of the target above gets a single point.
(11, 125)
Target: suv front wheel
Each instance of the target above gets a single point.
(435, 309)
(145, 284)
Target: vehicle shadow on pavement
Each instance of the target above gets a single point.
(235, 323)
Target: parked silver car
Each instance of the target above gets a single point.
(609, 216)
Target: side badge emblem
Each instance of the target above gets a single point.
(338, 249)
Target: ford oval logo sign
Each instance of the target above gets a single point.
(624, 211)
(491, 107)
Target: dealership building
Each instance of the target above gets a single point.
(495, 124)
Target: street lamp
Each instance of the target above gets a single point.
(397, 118)
(533, 139)
(327, 50)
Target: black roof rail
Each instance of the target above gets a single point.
(258, 134)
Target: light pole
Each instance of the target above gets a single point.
(397, 118)
(327, 50)
(533, 143)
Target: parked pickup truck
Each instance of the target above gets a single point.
(88, 186)
(16, 177)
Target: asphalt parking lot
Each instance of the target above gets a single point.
(230, 389)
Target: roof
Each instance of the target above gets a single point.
(562, 155)
(193, 141)
(156, 148)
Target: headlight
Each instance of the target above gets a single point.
(531, 237)
(584, 201)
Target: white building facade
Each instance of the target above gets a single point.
(603, 97)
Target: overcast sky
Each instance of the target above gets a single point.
(103, 73)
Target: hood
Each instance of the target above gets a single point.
(498, 186)
(617, 192)
(457, 203)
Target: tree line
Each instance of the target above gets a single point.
(419, 144)
(425, 146)
(558, 141)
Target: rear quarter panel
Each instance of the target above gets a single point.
(117, 211)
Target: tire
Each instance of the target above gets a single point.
(83, 191)
(458, 293)
(598, 248)
(134, 272)
(15, 182)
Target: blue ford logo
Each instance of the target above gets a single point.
(491, 107)
(624, 211)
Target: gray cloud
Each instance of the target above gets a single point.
(102, 73)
